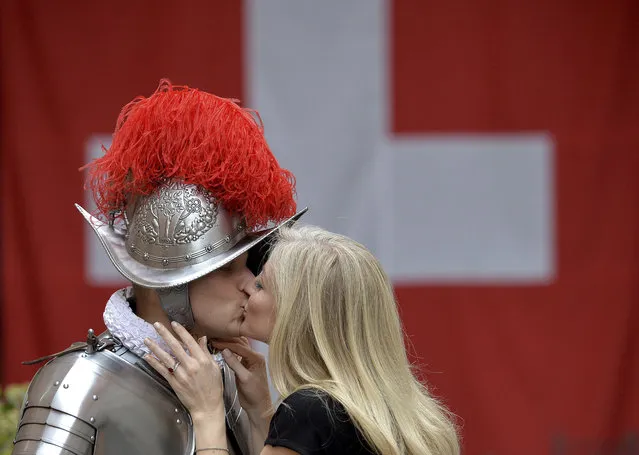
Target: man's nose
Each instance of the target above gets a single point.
(247, 282)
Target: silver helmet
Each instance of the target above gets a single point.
(175, 235)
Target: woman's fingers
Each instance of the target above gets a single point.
(175, 345)
(158, 366)
(163, 356)
(198, 386)
(241, 373)
(240, 349)
(202, 342)
(192, 345)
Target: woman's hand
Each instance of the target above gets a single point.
(195, 376)
(250, 375)
(252, 386)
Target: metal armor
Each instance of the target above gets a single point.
(98, 398)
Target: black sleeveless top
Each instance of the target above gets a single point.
(312, 423)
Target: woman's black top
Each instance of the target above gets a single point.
(311, 423)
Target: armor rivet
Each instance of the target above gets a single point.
(66, 386)
(209, 248)
(92, 438)
(178, 421)
(133, 246)
(165, 262)
(146, 256)
(177, 410)
(83, 355)
(227, 239)
(92, 419)
(95, 398)
(56, 383)
(187, 257)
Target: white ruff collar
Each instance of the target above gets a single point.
(129, 328)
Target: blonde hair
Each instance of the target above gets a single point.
(338, 330)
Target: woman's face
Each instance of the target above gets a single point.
(259, 312)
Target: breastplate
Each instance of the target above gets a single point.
(101, 399)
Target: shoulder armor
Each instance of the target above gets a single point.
(101, 400)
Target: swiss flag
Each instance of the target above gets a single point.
(485, 151)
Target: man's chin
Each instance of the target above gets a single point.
(228, 333)
(245, 331)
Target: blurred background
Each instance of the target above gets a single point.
(486, 151)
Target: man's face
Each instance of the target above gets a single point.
(218, 299)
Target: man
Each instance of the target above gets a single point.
(188, 193)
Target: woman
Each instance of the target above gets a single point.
(327, 310)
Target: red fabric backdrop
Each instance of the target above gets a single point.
(530, 370)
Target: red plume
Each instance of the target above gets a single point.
(199, 138)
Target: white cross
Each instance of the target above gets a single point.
(456, 208)
(461, 208)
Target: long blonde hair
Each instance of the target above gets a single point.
(338, 330)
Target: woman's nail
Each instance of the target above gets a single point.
(174, 324)
(147, 341)
(226, 353)
(157, 325)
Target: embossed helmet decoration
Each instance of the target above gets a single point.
(188, 184)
